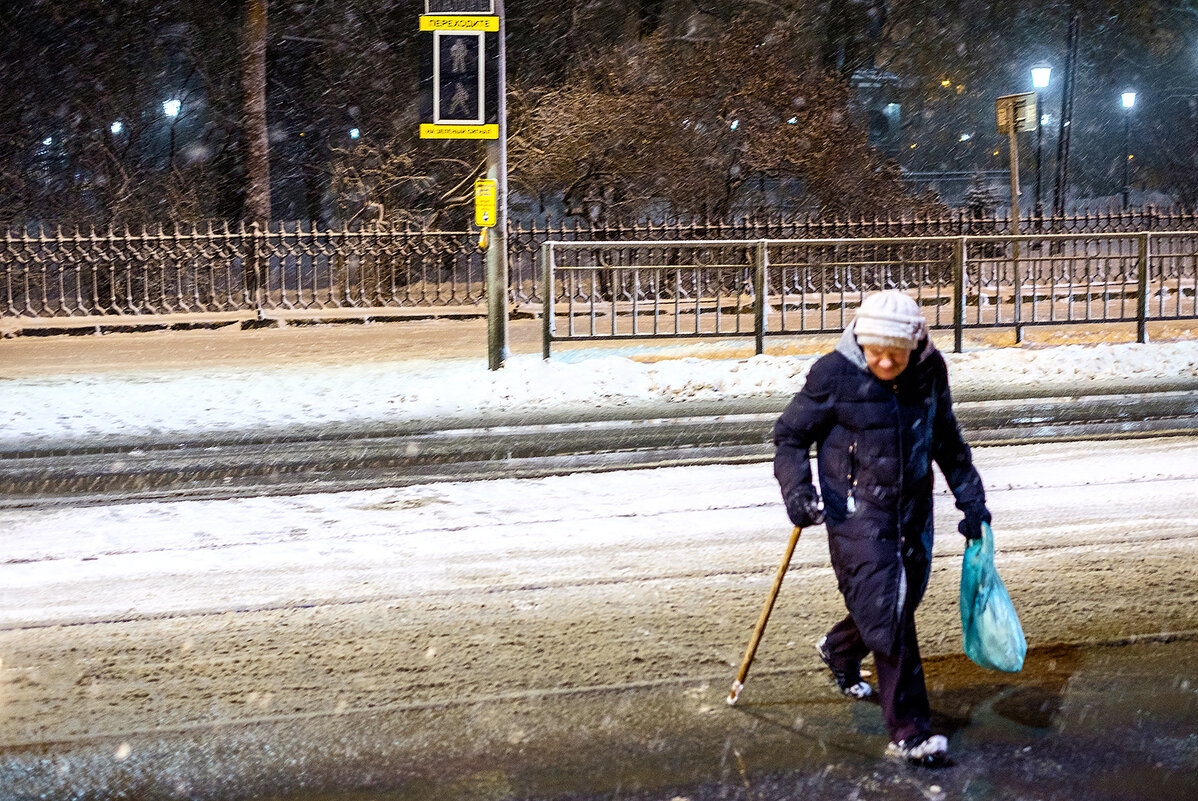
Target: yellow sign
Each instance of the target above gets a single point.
(430, 130)
(486, 198)
(452, 22)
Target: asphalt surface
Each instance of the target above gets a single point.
(526, 663)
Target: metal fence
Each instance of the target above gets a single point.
(218, 272)
(722, 288)
(214, 272)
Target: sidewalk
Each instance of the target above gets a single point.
(177, 386)
(439, 340)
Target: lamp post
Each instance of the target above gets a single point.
(1040, 76)
(1129, 101)
(171, 109)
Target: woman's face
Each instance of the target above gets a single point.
(886, 363)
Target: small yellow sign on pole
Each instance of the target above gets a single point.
(486, 211)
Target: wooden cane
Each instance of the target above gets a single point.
(739, 684)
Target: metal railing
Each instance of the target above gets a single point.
(56, 279)
(200, 273)
(729, 288)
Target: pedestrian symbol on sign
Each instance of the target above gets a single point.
(458, 89)
(460, 101)
(458, 54)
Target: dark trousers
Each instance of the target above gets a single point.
(901, 688)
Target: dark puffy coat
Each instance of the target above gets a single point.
(876, 443)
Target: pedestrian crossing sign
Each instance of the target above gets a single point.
(458, 80)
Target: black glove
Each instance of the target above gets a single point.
(975, 514)
(803, 508)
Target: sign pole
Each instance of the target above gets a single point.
(497, 267)
(1015, 232)
(1016, 113)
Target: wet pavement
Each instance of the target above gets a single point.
(569, 643)
(1112, 722)
(1097, 722)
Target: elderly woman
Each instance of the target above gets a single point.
(879, 412)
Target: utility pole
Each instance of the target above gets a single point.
(1065, 124)
(253, 94)
(497, 267)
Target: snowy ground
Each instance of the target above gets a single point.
(215, 396)
(461, 633)
(574, 633)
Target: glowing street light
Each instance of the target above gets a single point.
(171, 108)
(1128, 99)
(354, 133)
(116, 127)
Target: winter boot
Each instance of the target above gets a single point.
(849, 680)
(924, 750)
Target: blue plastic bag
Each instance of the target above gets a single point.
(993, 637)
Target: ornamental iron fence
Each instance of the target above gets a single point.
(217, 272)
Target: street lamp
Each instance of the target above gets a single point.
(171, 109)
(1040, 76)
(1129, 101)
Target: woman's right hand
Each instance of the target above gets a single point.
(803, 507)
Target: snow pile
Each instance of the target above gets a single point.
(1078, 362)
(226, 399)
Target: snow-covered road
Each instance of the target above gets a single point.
(380, 638)
(570, 575)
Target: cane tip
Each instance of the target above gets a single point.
(734, 695)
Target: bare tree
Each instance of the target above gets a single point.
(253, 87)
(709, 128)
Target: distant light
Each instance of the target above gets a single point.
(965, 137)
(171, 108)
(792, 120)
(49, 140)
(1046, 119)
(913, 145)
(354, 133)
(117, 127)
(892, 109)
(735, 124)
(1040, 76)
(1129, 99)
(946, 82)
(995, 153)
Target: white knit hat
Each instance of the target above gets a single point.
(890, 320)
